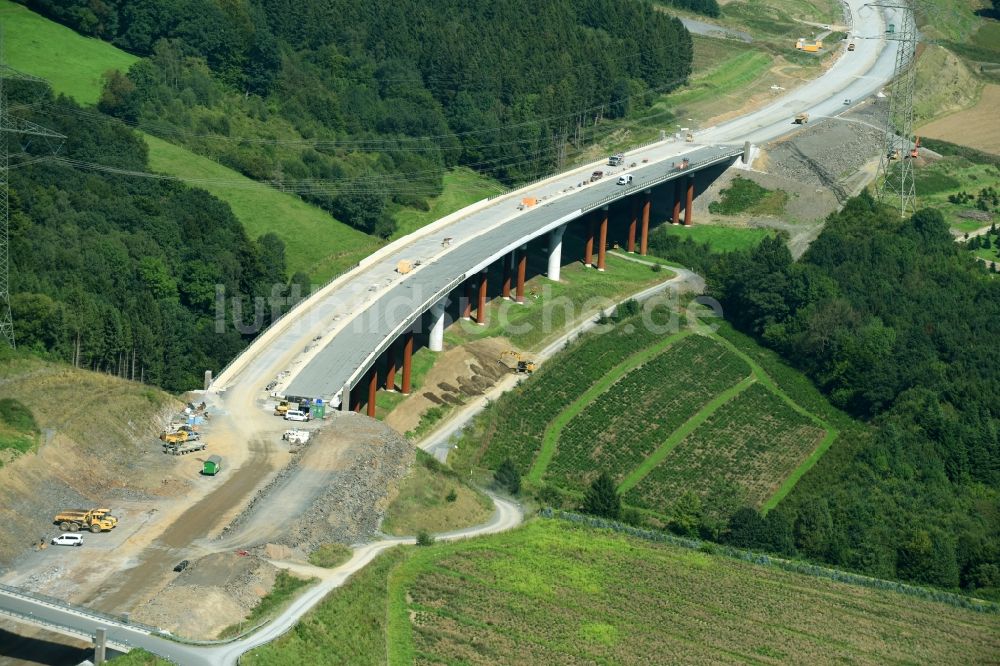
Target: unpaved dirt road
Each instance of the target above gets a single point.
(123, 593)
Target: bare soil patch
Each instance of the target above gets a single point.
(976, 127)
(459, 373)
(212, 593)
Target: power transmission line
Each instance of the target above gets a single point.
(10, 125)
(894, 179)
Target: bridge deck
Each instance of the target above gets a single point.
(353, 350)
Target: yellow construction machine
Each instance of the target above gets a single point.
(520, 364)
(95, 520)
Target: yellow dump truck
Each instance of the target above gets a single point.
(95, 520)
(175, 437)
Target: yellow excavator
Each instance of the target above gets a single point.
(520, 364)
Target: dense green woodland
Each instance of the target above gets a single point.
(359, 107)
(119, 274)
(897, 325)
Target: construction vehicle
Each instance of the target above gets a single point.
(520, 365)
(894, 154)
(915, 151)
(683, 164)
(597, 175)
(689, 137)
(295, 436)
(616, 160)
(175, 437)
(284, 406)
(95, 520)
(809, 47)
(850, 47)
(183, 448)
(802, 119)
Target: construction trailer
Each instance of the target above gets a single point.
(212, 466)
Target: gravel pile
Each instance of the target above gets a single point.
(353, 507)
(825, 154)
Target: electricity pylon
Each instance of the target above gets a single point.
(894, 185)
(10, 125)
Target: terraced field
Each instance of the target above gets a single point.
(637, 414)
(513, 428)
(747, 447)
(663, 415)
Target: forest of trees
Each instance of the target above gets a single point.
(896, 324)
(119, 274)
(359, 107)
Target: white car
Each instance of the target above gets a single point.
(68, 540)
(847, 101)
(296, 415)
(625, 179)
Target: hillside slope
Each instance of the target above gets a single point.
(96, 446)
(315, 243)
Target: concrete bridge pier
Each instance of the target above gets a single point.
(522, 270)
(404, 386)
(644, 238)
(602, 241)
(372, 389)
(481, 303)
(508, 269)
(633, 222)
(555, 252)
(100, 646)
(689, 203)
(588, 247)
(678, 195)
(467, 307)
(390, 368)
(436, 341)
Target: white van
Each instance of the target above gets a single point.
(68, 540)
(296, 415)
(625, 179)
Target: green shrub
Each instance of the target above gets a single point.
(330, 555)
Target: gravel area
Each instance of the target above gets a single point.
(335, 490)
(212, 593)
(827, 152)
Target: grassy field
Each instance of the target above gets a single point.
(315, 243)
(462, 187)
(73, 64)
(551, 592)
(433, 498)
(721, 239)
(949, 176)
(745, 196)
(628, 422)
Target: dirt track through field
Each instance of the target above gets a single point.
(123, 592)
